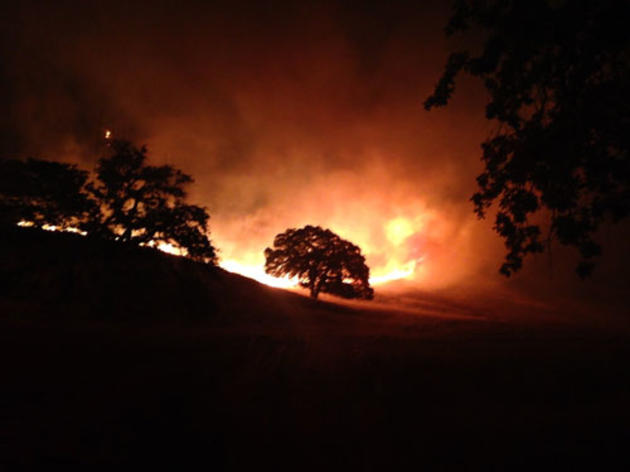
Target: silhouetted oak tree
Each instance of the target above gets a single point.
(139, 203)
(558, 75)
(42, 192)
(321, 260)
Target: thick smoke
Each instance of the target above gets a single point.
(285, 114)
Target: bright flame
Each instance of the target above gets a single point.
(170, 249)
(108, 134)
(258, 273)
(166, 247)
(405, 271)
(397, 230)
(392, 248)
(70, 229)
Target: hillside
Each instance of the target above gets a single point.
(76, 277)
(114, 355)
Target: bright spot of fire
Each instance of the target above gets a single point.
(402, 260)
(162, 246)
(108, 134)
(399, 229)
(251, 264)
(405, 271)
(167, 248)
(258, 273)
(28, 224)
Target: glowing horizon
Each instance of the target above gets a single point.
(257, 272)
(253, 268)
(391, 246)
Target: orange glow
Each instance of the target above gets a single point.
(392, 246)
(164, 247)
(252, 266)
(257, 272)
(28, 224)
(406, 271)
(270, 150)
(398, 229)
(167, 248)
(170, 249)
(400, 236)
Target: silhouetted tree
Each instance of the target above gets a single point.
(42, 193)
(558, 75)
(321, 260)
(141, 204)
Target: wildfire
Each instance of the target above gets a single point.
(397, 232)
(108, 134)
(405, 271)
(257, 272)
(402, 259)
(28, 224)
(168, 248)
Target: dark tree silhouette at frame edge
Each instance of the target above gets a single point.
(322, 262)
(557, 74)
(141, 204)
(43, 193)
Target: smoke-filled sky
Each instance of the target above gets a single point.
(284, 113)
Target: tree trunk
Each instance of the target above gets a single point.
(126, 236)
(316, 286)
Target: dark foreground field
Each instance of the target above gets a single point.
(272, 378)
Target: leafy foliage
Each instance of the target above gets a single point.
(557, 74)
(145, 204)
(42, 192)
(322, 261)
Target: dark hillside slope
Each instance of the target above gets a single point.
(112, 356)
(64, 275)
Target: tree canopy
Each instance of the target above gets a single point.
(143, 204)
(42, 193)
(127, 201)
(557, 75)
(322, 262)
